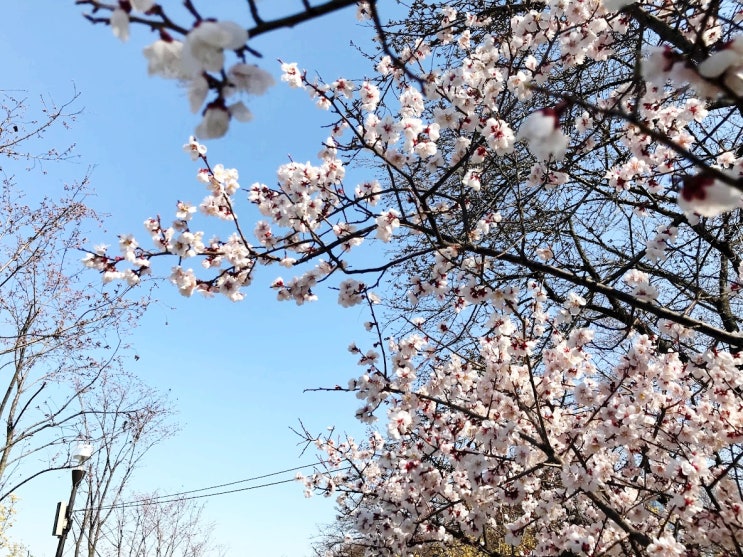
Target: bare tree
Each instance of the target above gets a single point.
(24, 123)
(62, 356)
(157, 526)
(127, 418)
(59, 334)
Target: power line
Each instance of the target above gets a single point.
(145, 502)
(239, 481)
(172, 497)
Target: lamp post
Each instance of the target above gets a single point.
(63, 517)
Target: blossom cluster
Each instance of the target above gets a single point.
(542, 443)
(198, 59)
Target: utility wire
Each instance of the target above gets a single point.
(238, 481)
(172, 497)
(145, 502)
(233, 483)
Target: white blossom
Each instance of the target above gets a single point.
(205, 45)
(215, 122)
(197, 90)
(250, 79)
(707, 196)
(240, 112)
(164, 59)
(120, 24)
(541, 129)
(292, 75)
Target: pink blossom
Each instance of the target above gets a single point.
(726, 64)
(387, 221)
(351, 293)
(185, 281)
(666, 546)
(194, 148)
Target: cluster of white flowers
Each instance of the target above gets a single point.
(387, 221)
(657, 248)
(494, 452)
(641, 287)
(199, 55)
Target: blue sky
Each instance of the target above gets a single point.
(235, 371)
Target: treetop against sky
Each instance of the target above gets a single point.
(550, 192)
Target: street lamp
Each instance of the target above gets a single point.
(63, 516)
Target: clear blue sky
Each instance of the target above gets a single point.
(236, 371)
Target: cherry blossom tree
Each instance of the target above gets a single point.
(557, 193)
